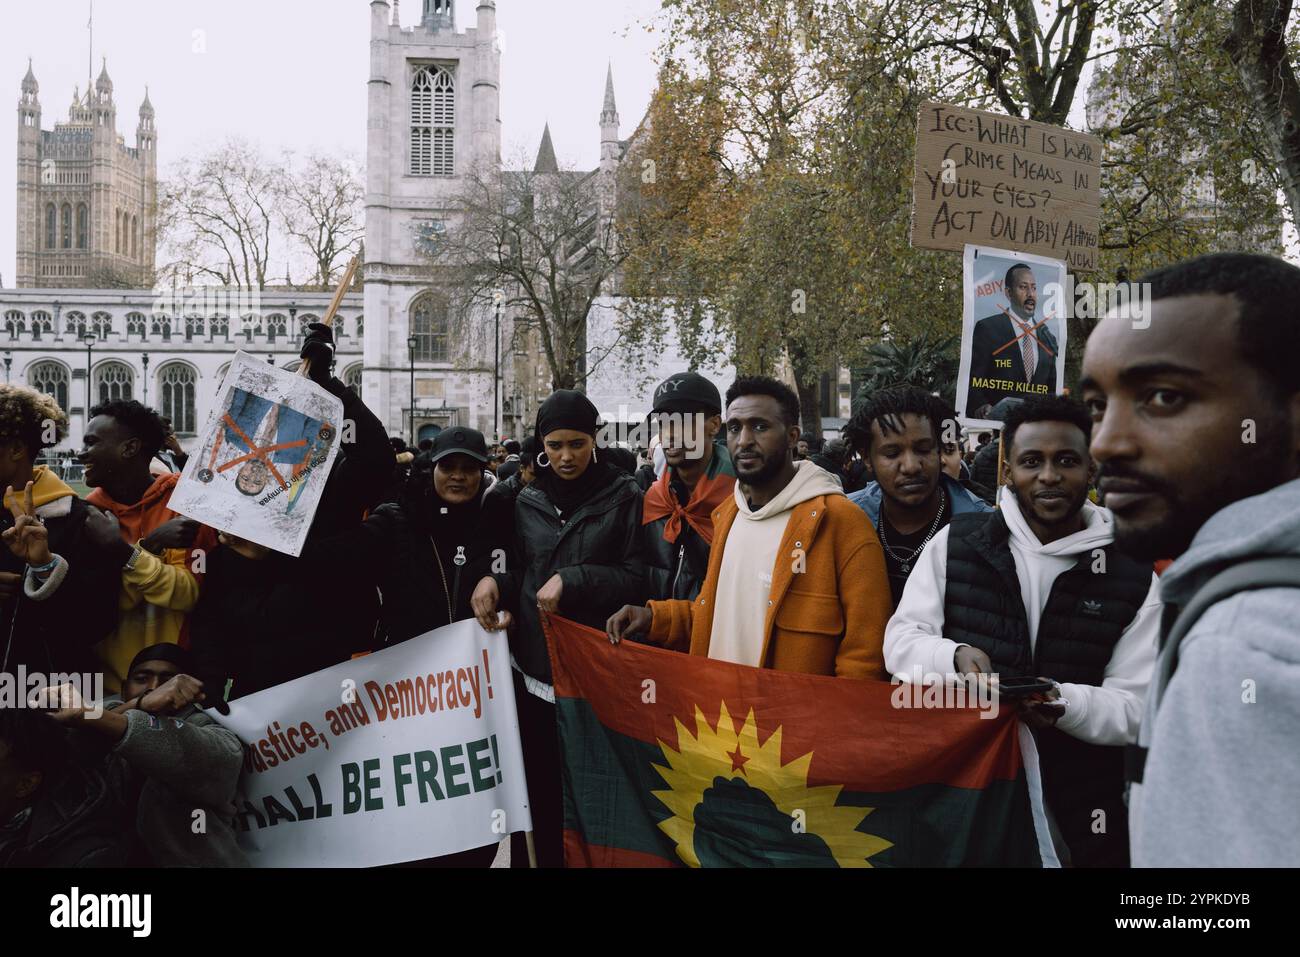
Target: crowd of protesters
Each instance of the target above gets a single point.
(904, 548)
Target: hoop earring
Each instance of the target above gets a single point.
(540, 463)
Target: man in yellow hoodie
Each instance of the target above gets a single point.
(157, 551)
(58, 594)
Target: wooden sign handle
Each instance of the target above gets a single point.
(339, 293)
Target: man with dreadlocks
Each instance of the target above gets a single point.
(899, 434)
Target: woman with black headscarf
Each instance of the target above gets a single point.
(577, 528)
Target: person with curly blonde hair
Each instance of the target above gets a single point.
(58, 594)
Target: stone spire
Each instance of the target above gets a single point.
(397, 13)
(104, 85)
(546, 162)
(146, 108)
(609, 113)
(29, 81)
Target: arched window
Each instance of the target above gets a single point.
(352, 377)
(14, 323)
(67, 226)
(433, 122)
(304, 322)
(51, 226)
(135, 324)
(135, 237)
(221, 378)
(101, 324)
(429, 326)
(51, 378)
(117, 231)
(42, 323)
(75, 324)
(193, 327)
(161, 326)
(221, 328)
(361, 326)
(176, 393)
(276, 325)
(83, 225)
(114, 380)
(251, 325)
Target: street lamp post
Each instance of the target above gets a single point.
(411, 342)
(144, 365)
(496, 370)
(89, 339)
(9, 360)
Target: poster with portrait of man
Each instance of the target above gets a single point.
(1013, 331)
(265, 454)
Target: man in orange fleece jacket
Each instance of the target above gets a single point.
(796, 578)
(150, 542)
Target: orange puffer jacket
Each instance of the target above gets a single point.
(831, 621)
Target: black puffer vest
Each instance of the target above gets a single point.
(1085, 615)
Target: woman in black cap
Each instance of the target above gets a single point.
(578, 530)
(427, 551)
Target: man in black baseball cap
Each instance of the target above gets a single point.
(677, 515)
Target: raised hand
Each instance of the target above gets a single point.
(28, 539)
(173, 696)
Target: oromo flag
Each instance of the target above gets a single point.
(670, 759)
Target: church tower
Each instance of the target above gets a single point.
(87, 203)
(433, 120)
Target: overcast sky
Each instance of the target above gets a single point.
(291, 74)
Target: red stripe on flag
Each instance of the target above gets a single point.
(578, 853)
(849, 724)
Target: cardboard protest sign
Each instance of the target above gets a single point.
(1013, 331)
(409, 753)
(989, 178)
(265, 455)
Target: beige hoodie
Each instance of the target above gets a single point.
(748, 562)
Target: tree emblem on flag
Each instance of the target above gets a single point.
(734, 804)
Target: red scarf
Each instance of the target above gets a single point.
(707, 495)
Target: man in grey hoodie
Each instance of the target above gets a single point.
(184, 766)
(1197, 412)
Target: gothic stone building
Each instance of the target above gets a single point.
(87, 202)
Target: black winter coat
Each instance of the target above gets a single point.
(674, 569)
(261, 623)
(596, 549)
(425, 569)
(56, 635)
(84, 818)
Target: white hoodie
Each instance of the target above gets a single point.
(1108, 713)
(748, 561)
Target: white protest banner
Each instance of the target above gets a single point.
(1013, 331)
(409, 753)
(266, 453)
